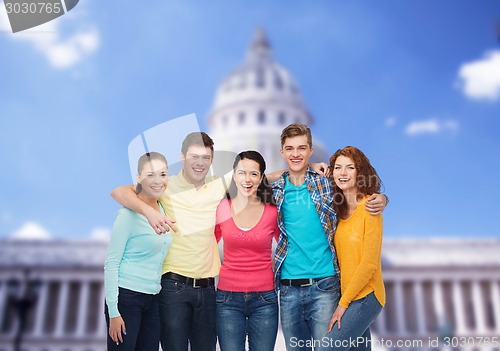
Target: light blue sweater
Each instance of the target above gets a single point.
(134, 258)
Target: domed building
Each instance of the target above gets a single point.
(254, 103)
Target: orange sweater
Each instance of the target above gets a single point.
(358, 242)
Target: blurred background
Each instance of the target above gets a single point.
(415, 85)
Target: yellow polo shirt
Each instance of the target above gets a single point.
(194, 250)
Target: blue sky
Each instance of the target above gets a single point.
(415, 84)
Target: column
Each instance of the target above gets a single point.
(41, 308)
(438, 301)
(495, 300)
(458, 306)
(478, 304)
(101, 322)
(61, 308)
(400, 308)
(3, 300)
(419, 306)
(14, 325)
(83, 306)
(381, 327)
(3, 310)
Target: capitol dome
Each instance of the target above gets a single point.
(254, 103)
(260, 79)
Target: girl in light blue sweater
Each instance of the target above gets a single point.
(132, 271)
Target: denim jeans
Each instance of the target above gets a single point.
(187, 316)
(240, 314)
(306, 312)
(141, 315)
(354, 332)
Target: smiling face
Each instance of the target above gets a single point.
(247, 178)
(153, 179)
(197, 162)
(296, 152)
(345, 173)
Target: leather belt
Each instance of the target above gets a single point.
(194, 282)
(300, 282)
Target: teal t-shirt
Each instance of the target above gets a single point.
(135, 257)
(308, 255)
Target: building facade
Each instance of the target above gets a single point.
(67, 313)
(436, 289)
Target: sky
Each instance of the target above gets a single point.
(414, 84)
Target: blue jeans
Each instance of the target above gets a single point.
(354, 333)
(187, 316)
(306, 312)
(141, 315)
(253, 313)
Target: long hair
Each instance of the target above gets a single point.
(367, 181)
(146, 158)
(264, 191)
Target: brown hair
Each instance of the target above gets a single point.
(368, 182)
(146, 158)
(197, 138)
(294, 130)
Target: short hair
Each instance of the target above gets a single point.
(197, 138)
(294, 130)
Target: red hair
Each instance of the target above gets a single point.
(368, 182)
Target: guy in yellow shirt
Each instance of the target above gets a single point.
(187, 297)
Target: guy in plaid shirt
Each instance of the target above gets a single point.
(305, 261)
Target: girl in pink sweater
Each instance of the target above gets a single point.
(247, 222)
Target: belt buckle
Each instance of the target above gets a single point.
(309, 283)
(195, 285)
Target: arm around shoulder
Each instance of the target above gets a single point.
(376, 204)
(274, 176)
(126, 196)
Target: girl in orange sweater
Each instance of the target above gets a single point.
(358, 242)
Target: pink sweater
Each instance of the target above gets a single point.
(247, 264)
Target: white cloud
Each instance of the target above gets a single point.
(390, 121)
(72, 50)
(480, 79)
(431, 126)
(31, 231)
(61, 51)
(4, 20)
(100, 234)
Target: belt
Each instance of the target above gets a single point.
(300, 282)
(194, 282)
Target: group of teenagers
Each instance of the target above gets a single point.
(325, 274)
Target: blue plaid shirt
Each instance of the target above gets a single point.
(320, 189)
